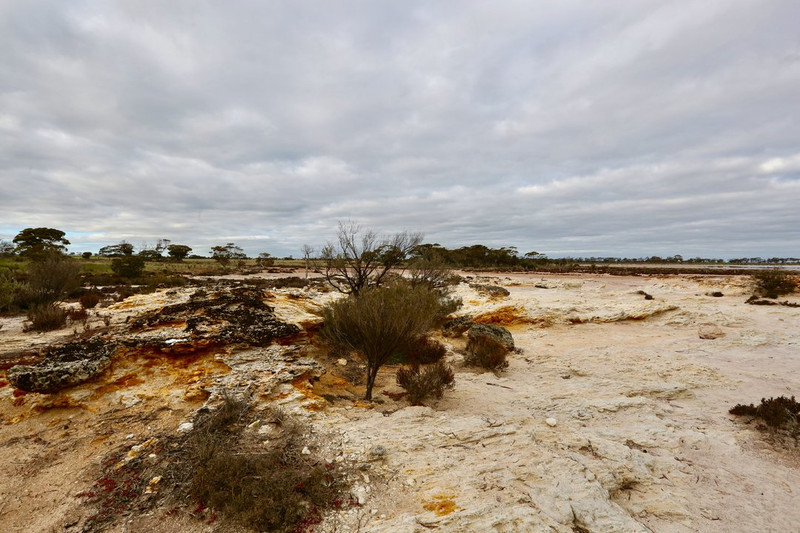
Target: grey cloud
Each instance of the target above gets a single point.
(606, 128)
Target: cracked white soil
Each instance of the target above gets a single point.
(639, 436)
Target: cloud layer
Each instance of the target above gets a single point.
(570, 128)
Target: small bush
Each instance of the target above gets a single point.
(129, 266)
(487, 353)
(773, 283)
(14, 294)
(425, 351)
(431, 381)
(79, 314)
(46, 317)
(780, 412)
(90, 300)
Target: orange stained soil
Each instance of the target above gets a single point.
(506, 316)
(441, 504)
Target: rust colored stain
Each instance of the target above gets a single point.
(305, 386)
(441, 504)
(128, 380)
(20, 359)
(506, 316)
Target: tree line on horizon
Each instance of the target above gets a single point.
(32, 241)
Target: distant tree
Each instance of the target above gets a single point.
(264, 260)
(161, 245)
(6, 248)
(224, 254)
(150, 255)
(116, 250)
(38, 242)
(128, 266)
(178, 251)
(361, 258)
(86, 255)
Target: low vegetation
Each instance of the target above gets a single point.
(773, 283)
(777, 413)
(421, 383)
(225, 470)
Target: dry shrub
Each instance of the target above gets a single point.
(773, 283)
(268, 489)
(79, 314)
(780, 412)
(487, 353)
(46, 317)
(424, 351)
(53, 277)
(430, 381)
(90, 300)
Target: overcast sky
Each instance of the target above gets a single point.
(621, 127)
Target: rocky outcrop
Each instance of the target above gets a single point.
(235, 315)
(494, 291)
(63, 366)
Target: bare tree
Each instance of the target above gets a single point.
(308, 252)
(362, 258)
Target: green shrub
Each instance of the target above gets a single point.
(430, 381)
(379, 323)
(773, 283)
(14, 294)
(46, 317)
(52, 277)
(128, 266)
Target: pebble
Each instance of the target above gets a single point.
(342, 362)
(306, 451)
(185, 427)
(551, 422)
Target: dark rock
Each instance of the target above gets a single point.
(63, 366)
(457, 327)
(229, 316)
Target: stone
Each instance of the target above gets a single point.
(63, 366)
(457, 326)
(710, 332)
(498, 333)
(551, 422)
(494, 291)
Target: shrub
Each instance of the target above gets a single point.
(780, 412)
(486, 352)
(90, 300)
(379, 323)
(14, 294)
(46, 317)
(424, 351)
(431, 381)
(129, 266)
(773, 283)
(78, 314)
(52, 277)
(276, 489)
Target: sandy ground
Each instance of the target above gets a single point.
(642, 439)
